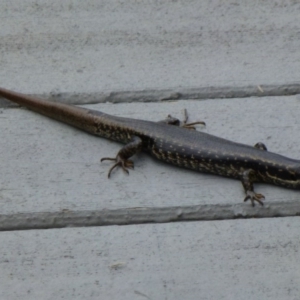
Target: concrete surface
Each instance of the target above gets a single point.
(238, 259)
(91, 46)
(137, 51)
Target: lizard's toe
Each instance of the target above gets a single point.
(254, 197)
(125, 164)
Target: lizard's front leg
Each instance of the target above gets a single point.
(122, 159)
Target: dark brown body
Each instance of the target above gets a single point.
(173, 144)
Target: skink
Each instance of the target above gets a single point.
(175, 145)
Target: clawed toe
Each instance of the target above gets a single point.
(125, 164)
(191, 125)
(254, 197)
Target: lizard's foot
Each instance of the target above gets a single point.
(254, 197)
(184, 124)
(125, 164)
(190, 125)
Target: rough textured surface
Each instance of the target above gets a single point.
(90, 51)
(92, 46)
(141, 215)
(240, 259)
(214, 92)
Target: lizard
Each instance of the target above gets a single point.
(170, 142)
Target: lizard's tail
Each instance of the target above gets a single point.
(72, 115)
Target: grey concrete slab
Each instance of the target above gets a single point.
(87, 51)
(92, 46)
(47, 166)
(241, 259)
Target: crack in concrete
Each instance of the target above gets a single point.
(140, 215)
(149, 95)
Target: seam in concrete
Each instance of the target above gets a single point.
(170, 94)
(140, 215)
